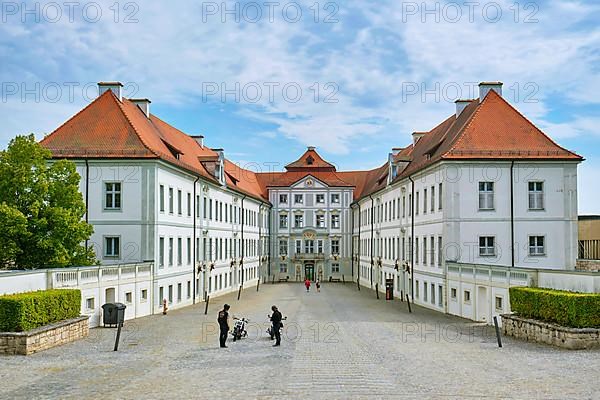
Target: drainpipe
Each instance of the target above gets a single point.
(352, 241)
(412, 237)
(372, 231)
(87, 196)
(512, 216)
(195, 249)
(359, 225)
(269, 244)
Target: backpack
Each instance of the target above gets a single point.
(222, 319)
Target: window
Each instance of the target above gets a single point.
(144, 295)
(440, 251)
(161, 198)
(440, 296)
(417, 250)
(486, 195)
(170, 252)
(486, 246)
(320, 198)
(170, 294)
(189, 251)
(283, 221)
(416, 289)
(112, 192)
(309, 246)
(161, 295)
(283, 198)
(417, 203)
(112, 246)
(179, 251)
(424, 201)
(499, 304)
(189, 287)
(424, 251)
(403, 206)
(335, 268)
(453, 294)
(432, 198)
(467, 296)
(189, 205)
(170, 200)
(283, 268)
(128, 298)
(283, 247)
(335, 246)
(298, 199)
(320, 221)
(335, 198)
(298, 221)
(90, 303)
(536, 195)
(424, 291)
(161, 252)
(536, 246)
(432, 293)
(298, 246)
(440, 196)
(319, 246)
(335, 221)
(432, 253)
(179, 292)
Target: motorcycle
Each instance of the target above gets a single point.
(239, 328)
(270, 331)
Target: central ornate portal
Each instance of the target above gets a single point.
(309, 272)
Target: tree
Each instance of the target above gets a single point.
(41, 209)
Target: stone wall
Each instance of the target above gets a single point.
(556, 335)
(587, 265)
(44, 337)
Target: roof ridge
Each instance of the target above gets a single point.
(75, 115)
(120, 105)
(466, 125)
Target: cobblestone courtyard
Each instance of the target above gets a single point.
(339, 343)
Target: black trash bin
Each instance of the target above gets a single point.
(389, 289)
(113, 314)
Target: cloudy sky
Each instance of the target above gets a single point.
(263, 80)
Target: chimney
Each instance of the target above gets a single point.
(485, 87)
(199, 139)
(416, 136)
(312, 148)
(116, 87)
(461, 104)
(396, 150)
(143, 104)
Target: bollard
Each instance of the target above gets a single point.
(206, 305)
(401, 296)
(257, 285)
(408, 302)
(377, 290)
(273, 281)
(343, 279)
(118, 336)
(239, 292)
(497, 332)
(358, 284)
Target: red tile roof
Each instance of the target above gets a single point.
(488, 130)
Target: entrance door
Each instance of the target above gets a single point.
(482, 304)
(309, 272)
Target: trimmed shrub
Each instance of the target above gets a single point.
(570, 309)
(25, 311)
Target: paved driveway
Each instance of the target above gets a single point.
(338, 344)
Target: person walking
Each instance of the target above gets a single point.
(223, 321)
(276, 321)
(318, 285)
(307, 284)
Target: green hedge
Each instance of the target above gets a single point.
(575, 310)
(25, 311)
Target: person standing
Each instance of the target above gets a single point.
(223, 321)
(276, 321)
(318, 285)
(307, 284)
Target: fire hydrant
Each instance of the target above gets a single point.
(165, 308)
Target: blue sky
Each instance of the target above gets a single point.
(370, 73)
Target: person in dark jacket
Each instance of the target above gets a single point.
(223, 321)
(276, 321)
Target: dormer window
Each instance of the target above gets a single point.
(310, 160)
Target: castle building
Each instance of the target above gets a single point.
(484, 188)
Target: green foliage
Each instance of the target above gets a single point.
(575, 310)
(41, 209)
(25, 311)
